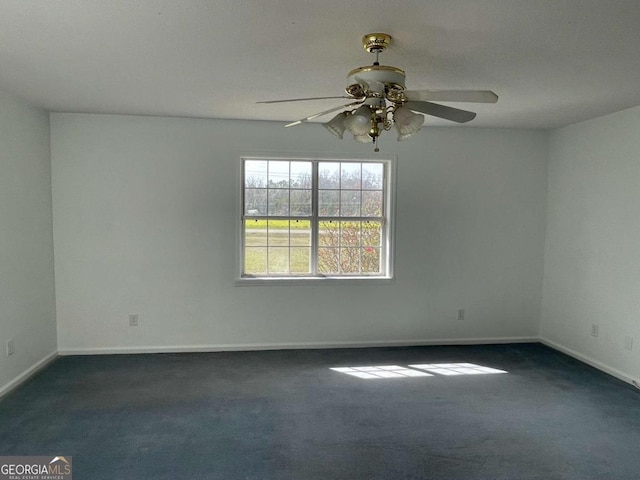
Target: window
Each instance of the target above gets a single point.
(315, 218)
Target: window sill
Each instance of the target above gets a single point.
(315, 281)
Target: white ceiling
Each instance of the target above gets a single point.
(552, 62)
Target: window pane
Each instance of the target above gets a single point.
(255, 173)
(350, 174)
(278, 259)
(255, 233)
(372, 204)
(328, 260)
(301, 202)
(350, 234)
(371, 234)
(370, 260)
(329, 203)
(255, 201)
(349, 260)
(350, 203)
(301, 175)
(278, 174)
(372, 176)
(278, 233)
(255, 260)
(328, 175)
(300, 260)
(300, 233)
(278, 202)
(329, 234)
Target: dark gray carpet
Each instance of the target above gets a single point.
(286, 415)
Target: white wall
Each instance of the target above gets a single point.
(146, 222)
(27, 304)
(592, 260)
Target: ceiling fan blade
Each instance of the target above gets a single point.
(316, 115)
(442, 111)
(474, 96)
(301, 99)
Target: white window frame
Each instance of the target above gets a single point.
(388, 231)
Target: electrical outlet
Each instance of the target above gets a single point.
(10, 348)
(595, 329)
(461, 314)
(133, 319)
(628, 342)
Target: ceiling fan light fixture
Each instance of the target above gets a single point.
(366, 138)
(359, 122)
(407, 122)
(337, 124)
(403, 137)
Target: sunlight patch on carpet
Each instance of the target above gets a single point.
(457, 369)
(418, 370)
(382, 371)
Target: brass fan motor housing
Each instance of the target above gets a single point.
(382, 81)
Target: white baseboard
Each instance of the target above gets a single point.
(313, 345)
(28, 373)
(590, 361)
(292, 346)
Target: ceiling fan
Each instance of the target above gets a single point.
(380, 101)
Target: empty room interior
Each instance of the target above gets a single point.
(433, 272)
